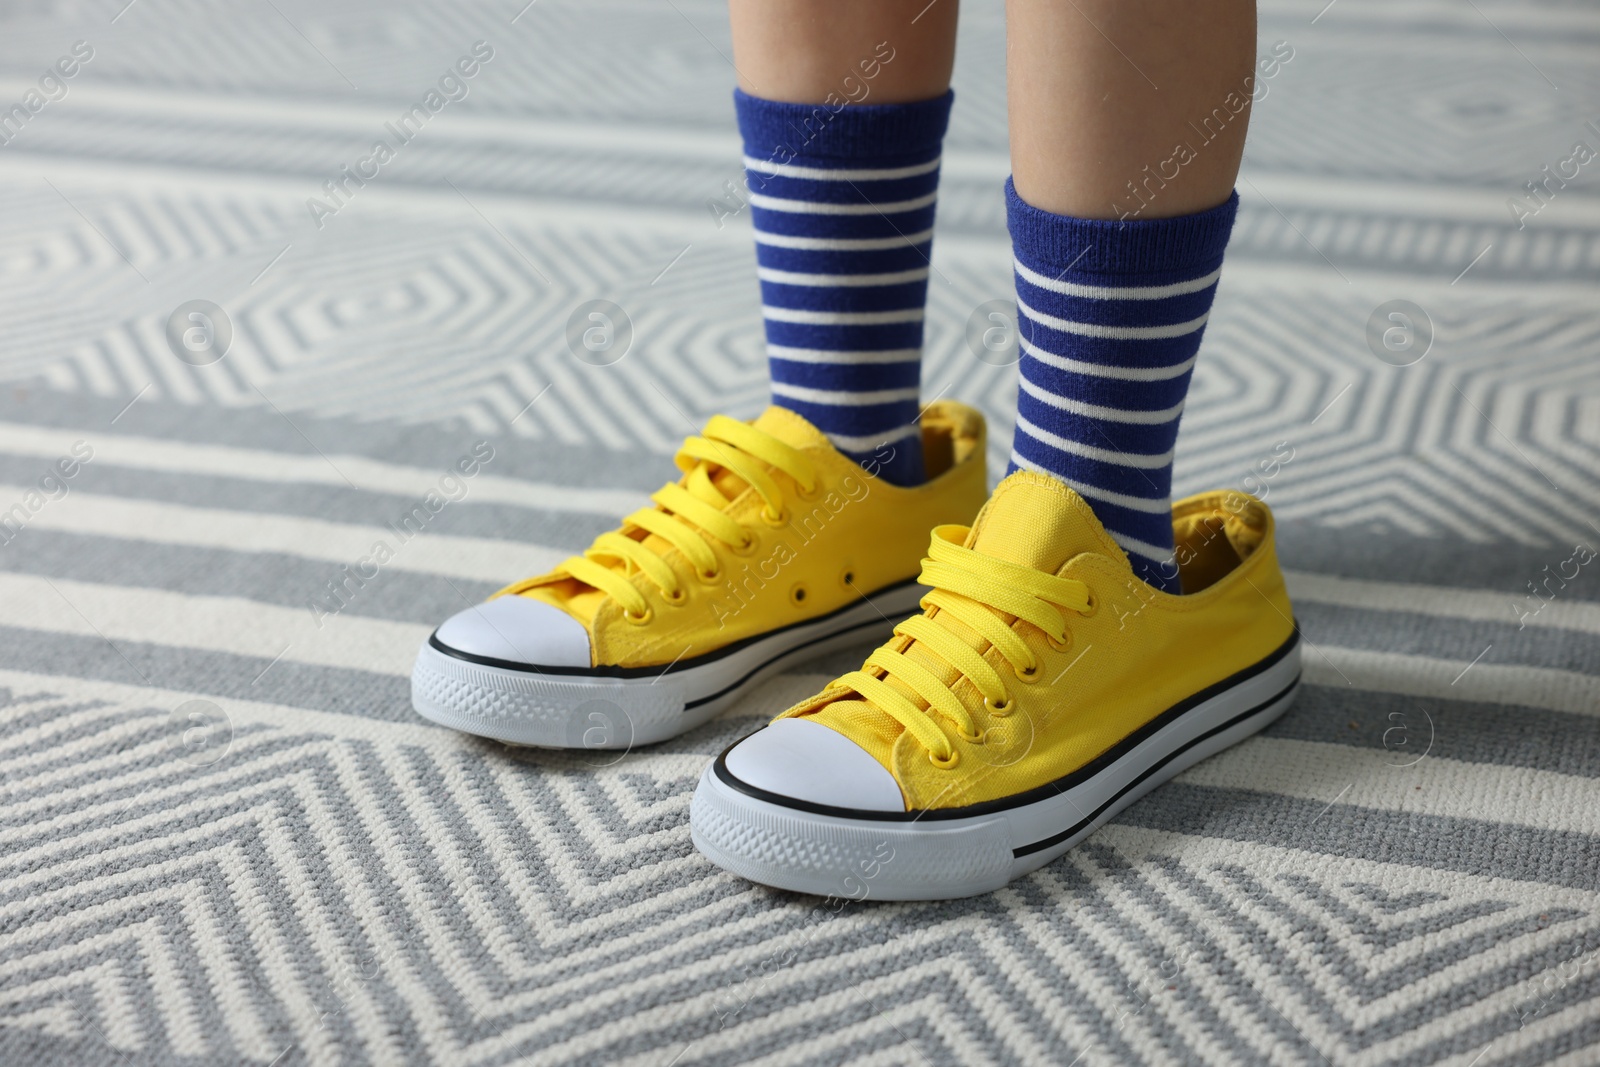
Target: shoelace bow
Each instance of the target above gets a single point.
(973, 589)
(685, 508)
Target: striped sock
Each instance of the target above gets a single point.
(1110, 316)
(843, 203)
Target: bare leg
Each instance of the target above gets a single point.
(799, 51)
(1101, 89)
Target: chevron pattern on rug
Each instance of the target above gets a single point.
(228, 839)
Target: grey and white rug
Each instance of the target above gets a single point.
(226, 837)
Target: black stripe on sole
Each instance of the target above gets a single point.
(1056, 839)
(1043, 792)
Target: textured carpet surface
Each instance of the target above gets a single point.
(227, 838)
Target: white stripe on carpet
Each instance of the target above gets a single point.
(1376, 778)
(1548, 688)
(1476, 605)
(454, 556)
(210, 623)
(253, 464)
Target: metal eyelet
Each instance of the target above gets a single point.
(1005, 707)
(802, 493)
(639, 620)
(710, 577)
(677, 598)
(1093, 608)
(1059, 646)
(972, 739)
(780, 519)
(1028, 675)
(945, 765)
(797, 595)
(747, 546)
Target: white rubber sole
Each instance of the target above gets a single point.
(961, 852)
(621, 708)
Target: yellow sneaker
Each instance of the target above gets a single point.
(1042, 690)
(771, 548)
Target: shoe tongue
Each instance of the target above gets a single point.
(791, 429)
(1036, 521)
(777, 422)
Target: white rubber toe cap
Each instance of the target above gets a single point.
(804, 760)
(518, 630)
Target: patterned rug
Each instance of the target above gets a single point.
(228, 839)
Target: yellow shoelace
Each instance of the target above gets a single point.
(685, 508)
(975, 590)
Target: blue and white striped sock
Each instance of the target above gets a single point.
(1110, 315)
(842, 203)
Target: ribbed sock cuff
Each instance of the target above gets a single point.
(885, 133)
(1188, 244)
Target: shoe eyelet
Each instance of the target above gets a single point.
(747, 546)
(1028, 675)
(1005, 707)
(973, 739)
(1059, 646)
(945, 765)
(802, 493)
(847, 578)
(710, 577)
(677, 598)
(639, 620)
(780, 519)
(797, 595)
(1093, 608)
